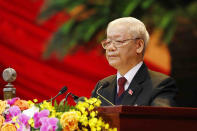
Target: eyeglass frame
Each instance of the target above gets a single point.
(121, 43)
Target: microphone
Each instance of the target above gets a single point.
(62, 91)
(76, 98)
(82, 99)
(103, 85)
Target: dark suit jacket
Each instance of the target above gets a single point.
(149, 89)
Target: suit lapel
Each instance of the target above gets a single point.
(135, 86)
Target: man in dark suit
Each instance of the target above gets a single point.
(134, 84)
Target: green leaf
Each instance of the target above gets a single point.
(59, 38)
(51, 7)
(93, 28)
(166, 20)
(55, 104)
(169, 33)
(59, 127)
(67, 46)
(74, 33)
(65, 29)
(192, 10)
(146, 4)
(73, 3)
(131, 6)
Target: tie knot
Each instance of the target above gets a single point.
(122, 81)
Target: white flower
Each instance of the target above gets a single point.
(31, 111)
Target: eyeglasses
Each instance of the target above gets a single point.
(117, 43)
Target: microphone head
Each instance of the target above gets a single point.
(82, 99)
(75, 97)
(63, 90)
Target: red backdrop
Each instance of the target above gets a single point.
(22, 43)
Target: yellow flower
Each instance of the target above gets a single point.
(84, 129)
(93, 129)
(69, 121)
(53, 113)
(84, 120)
(107, 126)
(93, 122)
(17, 125)
(81, 108)
(47, 105)
(35, 100)
(91, 100)
(93, 114)
(2, 106)
(78, 113)
(59, 114)
(8, 127)
(100, 122)
(14, 119)
(98, 128)
(91, 107)
(31, 122)
(98, 103)
(114, 129)
(2, 119)
(31, 104)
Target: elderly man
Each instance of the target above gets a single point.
(134, 84)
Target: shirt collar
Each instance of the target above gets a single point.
(131, 73)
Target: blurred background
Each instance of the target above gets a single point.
(53, 43)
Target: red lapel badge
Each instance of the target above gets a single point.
(130, 92)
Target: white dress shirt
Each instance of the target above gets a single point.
(129, 76)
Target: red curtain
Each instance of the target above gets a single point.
(22, 43)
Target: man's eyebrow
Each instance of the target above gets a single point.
(116, 36)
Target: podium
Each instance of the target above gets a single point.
(144, 118)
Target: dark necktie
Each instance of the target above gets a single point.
(121, 83)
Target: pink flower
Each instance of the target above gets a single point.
(13, 111)
(38, 115)
(48, 124)
(23, 122)
(12, 101)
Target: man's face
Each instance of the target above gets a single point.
(123, 56)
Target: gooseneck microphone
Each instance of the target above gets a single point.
(82, 99)
(73, 96)
(76, 98)
(103, 85)
(62, 91)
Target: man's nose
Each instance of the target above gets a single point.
(111, 47)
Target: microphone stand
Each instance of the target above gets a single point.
(97, 92)
(62, 91)
(53, 98)
(73, 96)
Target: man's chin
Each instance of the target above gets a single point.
(113, 64)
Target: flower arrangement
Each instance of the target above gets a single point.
(22, 115)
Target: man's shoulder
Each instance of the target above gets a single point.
(109, 78)
(154, 74)
(157, 77)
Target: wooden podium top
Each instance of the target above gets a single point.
(142, 118)
(149, 110)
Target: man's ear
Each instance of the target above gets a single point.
(139, 46)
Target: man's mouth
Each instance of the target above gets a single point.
(111, 56)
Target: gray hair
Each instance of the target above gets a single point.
(136, 27)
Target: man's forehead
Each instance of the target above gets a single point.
(118, 30)
(119, 25)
